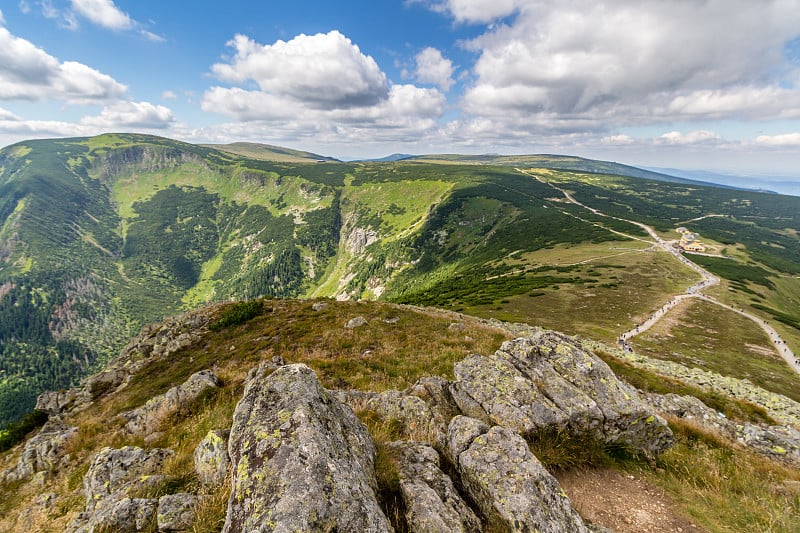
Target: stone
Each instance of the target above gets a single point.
(58, 402)
(114, 471)
(147, 418)
(356, 322)
(319, 306)
(777, 442)
(127, 515)
(302, 461)
(548, 382)
(509, 485)
(43, 451)
(176, 511)
(435, 392)
(431, 500)
(211, 460)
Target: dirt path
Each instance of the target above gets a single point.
(623, 502)
(695, 291)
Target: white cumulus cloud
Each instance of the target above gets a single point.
(316, 87)
(594, 64)
(103, 13)
(782, 140)
(323, 70)
(692, 137)
(433, 67)
(29, 73)
(126, 115)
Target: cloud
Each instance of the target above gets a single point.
(131, 115)
(433, 68)
(168, 95)
(475, 11)
(322, 70)
(782, 140)
(589, 65)
(103, 13)
(29, 73)
(2, 20)
(316, 87)
(692, 137)
(618, 140)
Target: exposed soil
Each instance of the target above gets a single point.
(623, 502)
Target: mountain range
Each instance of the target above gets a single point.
(101, 236)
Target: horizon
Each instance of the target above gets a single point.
(365, 79)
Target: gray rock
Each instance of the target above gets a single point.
(356, 322)
(549, 382)
(127, 515)
(358, 240)
(391, 320)
(509, 485)
(435, 392)
(58, 402)
(146, 419)
(460, 434)
(211, 461)
(176, 511)
(432, 501)
(319, 306)
(116, 471)
(777, 442)
(43, 451)
(302, 461)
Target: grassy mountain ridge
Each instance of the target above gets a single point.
(101, 235)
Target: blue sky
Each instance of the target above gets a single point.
(704, 84)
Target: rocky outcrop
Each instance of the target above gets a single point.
(358, 240)
(510, 486)
(431, 500)
(114, 475)
(302, 461)
(356, 322)
(211, 460)
(146, 419)
(548, 382)
(43, 451)
(777, 442)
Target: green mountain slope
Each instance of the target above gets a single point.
(99, 236)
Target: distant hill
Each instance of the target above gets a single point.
(389, 158)
(563, 162)
(268, 152)
(780, 185)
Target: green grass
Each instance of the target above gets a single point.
(701, 334)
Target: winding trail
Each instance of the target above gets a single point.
(694, 291)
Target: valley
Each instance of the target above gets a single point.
(103, 235)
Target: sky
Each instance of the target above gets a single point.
(694, 84)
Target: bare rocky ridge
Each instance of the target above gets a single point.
(298, 458)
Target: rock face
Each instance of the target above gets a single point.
(511, 487)
(211, 460)
(432, 501)
(42, 452)
(549, 382)
(302, 461)
(146, 419)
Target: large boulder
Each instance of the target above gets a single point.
(509, 485)
(43, 451)
(302, 461)
(548, 382)
(431, 500)
(110, 485)
(114, 472)
(147, 418)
